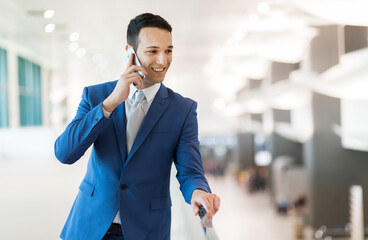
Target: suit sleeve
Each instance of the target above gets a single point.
(188, 160)
(81, 133)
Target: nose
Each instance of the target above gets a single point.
(161, 58)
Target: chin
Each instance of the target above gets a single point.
(160, 80)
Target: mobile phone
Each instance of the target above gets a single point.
(126, 57)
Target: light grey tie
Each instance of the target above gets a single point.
(135, 118)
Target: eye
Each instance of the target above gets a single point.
(153, 51)
(169, 51)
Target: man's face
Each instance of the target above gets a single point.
(154, 53)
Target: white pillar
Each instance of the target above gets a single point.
(356, 213)
(14, 115)
(45, 79)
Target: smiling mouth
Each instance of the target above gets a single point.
(159, 69)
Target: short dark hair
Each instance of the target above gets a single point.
(141, 21)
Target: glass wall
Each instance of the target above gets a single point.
(30, 94)
(4, 108)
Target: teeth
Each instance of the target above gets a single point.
(158, 69)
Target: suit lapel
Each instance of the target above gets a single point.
(120, 129)
(158, 106)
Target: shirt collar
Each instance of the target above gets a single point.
(149, 92)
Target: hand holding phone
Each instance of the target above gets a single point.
(130, 76)
(126, 57)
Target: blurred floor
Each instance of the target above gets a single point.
(249, 216)
(36, 197)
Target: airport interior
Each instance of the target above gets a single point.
(281, 88)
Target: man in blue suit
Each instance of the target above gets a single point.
(125, 192)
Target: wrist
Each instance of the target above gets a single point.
(197, 191)
(109, 105)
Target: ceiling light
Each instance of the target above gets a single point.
(263, 158)
(49, 28)
(81, 52)
(74, 36)
(73, 46)
(263, 7)
(48, 14)
(239, 35)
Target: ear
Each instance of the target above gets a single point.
(127, 47)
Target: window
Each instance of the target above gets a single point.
(4, 108)
(30, 94)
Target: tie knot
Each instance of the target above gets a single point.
(139, 96)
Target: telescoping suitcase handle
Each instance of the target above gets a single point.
(206, 222)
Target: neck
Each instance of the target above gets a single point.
(147, 83)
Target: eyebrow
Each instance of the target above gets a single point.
(171, 46)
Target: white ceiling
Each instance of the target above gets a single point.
(201, 30)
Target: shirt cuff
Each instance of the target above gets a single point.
(106, 113)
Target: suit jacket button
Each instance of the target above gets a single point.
(123, 187)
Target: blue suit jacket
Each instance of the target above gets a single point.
(138, 183)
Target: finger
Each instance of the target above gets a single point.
(135, 68)
(216, 204)
(195, 209)
(140, 68)
(137, 79)
(210, 212)
(133, 74)
(140, 81)
(131, 69)
(210, 206)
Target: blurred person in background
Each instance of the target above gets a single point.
(138, 128)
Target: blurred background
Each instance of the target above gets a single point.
(281, 87)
